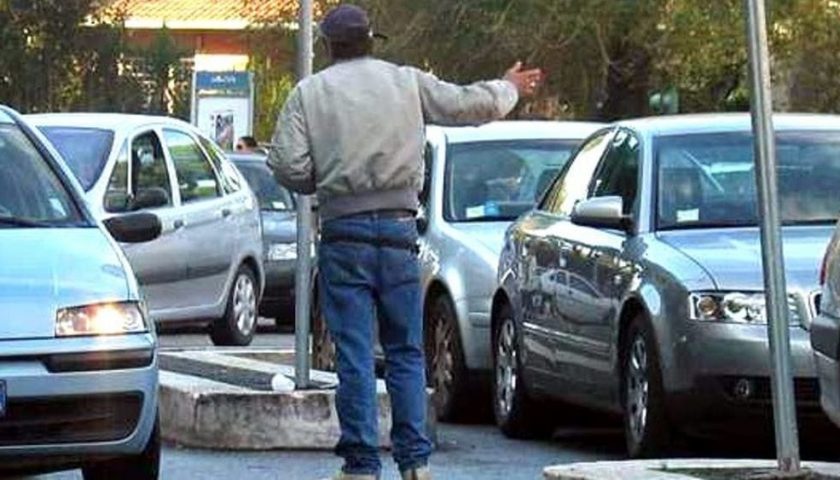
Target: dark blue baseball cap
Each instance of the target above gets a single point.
(347, 23)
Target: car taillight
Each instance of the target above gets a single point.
(824, 266)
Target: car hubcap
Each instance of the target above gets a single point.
(506, 359)
(442, 361)
(637, 388)
(245, 304)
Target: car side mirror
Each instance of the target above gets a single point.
(150, 198)
(134, 227)
(602, 212)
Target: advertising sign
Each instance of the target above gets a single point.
(223, 105)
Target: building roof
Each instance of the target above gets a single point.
(201, 14)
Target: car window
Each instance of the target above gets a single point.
(708, 180)
(30, 191)
(85, 150)
(572, 186)
(150, 184)
(269, 193)
(196, 178)
(499, 180)
(578, 284)
(227, 173)
(618, 174)
(117, 196)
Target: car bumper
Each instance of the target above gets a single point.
(721, 372)
(279, 292)
(78, 398)
(825, 338)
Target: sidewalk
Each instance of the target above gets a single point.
(223, 399)
(685, 469)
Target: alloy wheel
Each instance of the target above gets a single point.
(506, 361)
(638, 387)
(245, 304)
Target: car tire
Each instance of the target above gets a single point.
(238, 325)
(646, 427)
(144, 466)
(517, 414)
(323, 346)
(445, 366)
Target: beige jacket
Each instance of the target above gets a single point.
(354, 132)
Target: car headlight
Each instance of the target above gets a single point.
(101, 319)
(736, 307)
(282, 251)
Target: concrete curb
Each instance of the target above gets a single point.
(204, 413)
(658, 469)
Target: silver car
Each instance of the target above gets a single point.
(825, 332)
(279, 222)
(207, 263)
(636, 285)
(478, 180)
(78, 363)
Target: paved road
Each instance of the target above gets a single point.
(268, 336)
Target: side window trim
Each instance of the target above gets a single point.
(630, 134)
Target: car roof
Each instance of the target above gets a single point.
(519, 130)
(117, 122)
(667, 125)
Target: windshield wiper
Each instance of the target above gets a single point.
(22, 222)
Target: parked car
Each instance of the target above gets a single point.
(478, 180)
(825, 331)
(78, 364)
(659, 221)
(279, 224)
(207, 263)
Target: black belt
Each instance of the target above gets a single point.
(327, 237)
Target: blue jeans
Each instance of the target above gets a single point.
(367, 274)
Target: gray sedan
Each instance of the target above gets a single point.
(636, 284)
(279, 221)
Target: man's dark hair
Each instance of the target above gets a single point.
(249, 141)
(350, 50)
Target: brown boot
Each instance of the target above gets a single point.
(421, 473)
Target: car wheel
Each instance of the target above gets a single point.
(445, 367)
(645, 423)
(144, 466)
(323, 347)
(238, 325)
(517, 415)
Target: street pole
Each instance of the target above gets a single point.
(784, 406)
(303, 287)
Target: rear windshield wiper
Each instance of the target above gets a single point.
(22, 222)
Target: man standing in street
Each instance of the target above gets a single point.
(353, 135)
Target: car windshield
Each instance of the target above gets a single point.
(31, 194)
(271, 195)
(85, 150)
(708, 180)
(500, 180)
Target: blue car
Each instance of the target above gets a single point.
(78, 364)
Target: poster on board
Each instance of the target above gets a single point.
(223, 106)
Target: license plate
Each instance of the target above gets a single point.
(2, 398)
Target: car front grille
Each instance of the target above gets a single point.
(77, 419)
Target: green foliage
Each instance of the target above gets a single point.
(272, 55)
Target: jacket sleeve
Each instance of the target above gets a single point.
(453, 105)
(290, 155)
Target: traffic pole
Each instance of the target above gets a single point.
(303, 274)
(784, 406)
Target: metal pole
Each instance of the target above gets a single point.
(784, 406)
(303, 287)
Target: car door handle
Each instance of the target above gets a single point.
(178, 224)
(226, 212)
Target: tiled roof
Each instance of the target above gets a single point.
(195, 13)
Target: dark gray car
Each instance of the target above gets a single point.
(279, 221)
(636, 284)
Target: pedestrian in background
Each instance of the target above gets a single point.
(247, 144)
(353, 135)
